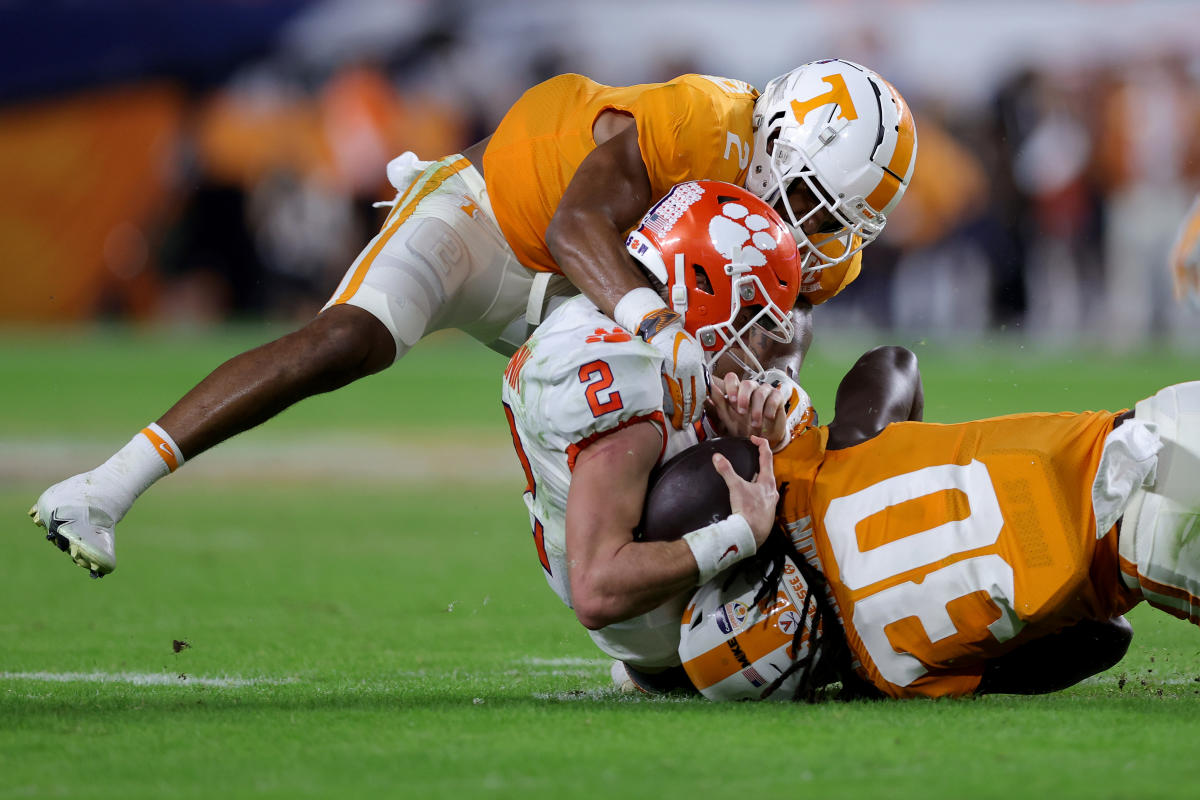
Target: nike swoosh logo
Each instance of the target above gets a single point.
(733, 550)
(56, 522)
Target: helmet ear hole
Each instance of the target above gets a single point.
(703, 284)
(773, 135)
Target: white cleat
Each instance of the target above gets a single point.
(77, 528)
(621, 680)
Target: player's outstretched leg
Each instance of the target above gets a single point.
(341, 345)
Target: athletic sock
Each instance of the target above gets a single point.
(115, 484)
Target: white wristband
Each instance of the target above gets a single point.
(721, 545)
(634, 306)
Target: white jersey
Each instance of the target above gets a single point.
(579, 377)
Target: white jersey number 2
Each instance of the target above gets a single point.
(928, 599)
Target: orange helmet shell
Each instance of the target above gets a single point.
(720, 250)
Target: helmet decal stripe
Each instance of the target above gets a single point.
(884, 191)
(734, 654)
(906, 136)
(899, 167)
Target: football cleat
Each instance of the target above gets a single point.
(76, 527)
(621, 680)
(673, 681)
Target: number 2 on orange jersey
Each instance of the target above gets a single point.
(598, 378)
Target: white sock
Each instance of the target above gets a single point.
(115, 484)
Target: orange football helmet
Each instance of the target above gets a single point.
(728, 262)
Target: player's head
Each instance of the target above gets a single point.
(834, 149)
(735, 644)
(727, 263)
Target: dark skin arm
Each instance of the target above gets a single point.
(608, 194)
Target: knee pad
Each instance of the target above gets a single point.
(412, 278)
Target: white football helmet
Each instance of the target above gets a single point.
(849, 135)
(732, 648)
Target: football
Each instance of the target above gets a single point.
(687, 492)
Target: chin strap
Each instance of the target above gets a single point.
(679, 301)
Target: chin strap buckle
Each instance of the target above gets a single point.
(679, 301)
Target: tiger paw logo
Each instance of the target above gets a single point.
(615, 335)
(740, 236)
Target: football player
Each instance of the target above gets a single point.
(986, 556)
(586, 408)
(1185, 258)
(487, 240)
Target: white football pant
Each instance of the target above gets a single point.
(1160, 532)
(440, 261)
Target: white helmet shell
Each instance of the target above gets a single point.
(732, 648)
(849, 135)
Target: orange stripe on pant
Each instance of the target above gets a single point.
(437, 179)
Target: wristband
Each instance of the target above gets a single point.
(720, 545)
(635, 305)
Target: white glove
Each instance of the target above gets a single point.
(800, 412)
(685, 381)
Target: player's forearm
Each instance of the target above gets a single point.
(589, 249)
(636, 579)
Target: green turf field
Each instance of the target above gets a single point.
(365, 615)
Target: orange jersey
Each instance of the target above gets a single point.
(691, 128)
(947, 545)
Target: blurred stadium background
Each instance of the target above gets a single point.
(191, 162)
(182, 180)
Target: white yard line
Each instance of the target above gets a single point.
(143, 679)
(566, 662)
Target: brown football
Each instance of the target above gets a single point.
(687, 492)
